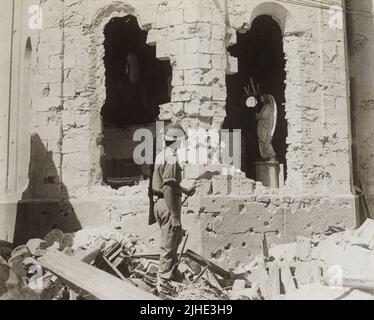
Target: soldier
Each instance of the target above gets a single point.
(166, 185)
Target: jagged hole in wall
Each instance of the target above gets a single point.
(261, 57)
(136, 85)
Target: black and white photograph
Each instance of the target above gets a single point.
(203, 151)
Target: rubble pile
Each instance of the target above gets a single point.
(22, 279)
(338, 264)
(23, 276)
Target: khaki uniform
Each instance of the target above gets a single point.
(167, 169)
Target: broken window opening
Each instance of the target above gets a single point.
(260, 58)
(136, 85)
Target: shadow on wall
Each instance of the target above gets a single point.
(45, 204)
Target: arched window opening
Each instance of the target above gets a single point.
(261, 62)
(136, 85)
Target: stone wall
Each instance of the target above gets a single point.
(69, 92)
(194, 36)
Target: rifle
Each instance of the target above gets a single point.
(151, 215)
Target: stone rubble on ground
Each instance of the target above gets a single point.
(309, 269)
(318, 268)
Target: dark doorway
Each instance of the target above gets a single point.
(261, 58)
(136, 84)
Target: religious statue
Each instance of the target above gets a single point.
(267, 122)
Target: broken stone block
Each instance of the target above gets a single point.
(69, 251)
(8, 279)
(54, 247)
(368, 267)
(19, 254)
(54, 236)
(315, 292)
(283, 252)
(354, 259)
(220, 185)
(235, 185)
(3, 289)
(317, 274)
(358, 295)
(259, 278)
(23, 294)
(247, 186)
(213, 204)
(356, 241)
(303, 272)
(330, 252)
(4, 272)
(273, 281)
(303, 248)
(245, 294)
(287, 278)
(366, 231)
(68, 241)
(238, 285)
(36, 246)
(18, 268)
(5, 253)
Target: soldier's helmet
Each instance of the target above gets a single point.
(174, 132)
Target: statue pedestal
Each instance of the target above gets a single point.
(267, 172)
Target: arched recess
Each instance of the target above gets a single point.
(261, 65)
(130, 84)
(286, 40)
(24, 115)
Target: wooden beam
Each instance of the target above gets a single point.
(89, 279)
(206, 263)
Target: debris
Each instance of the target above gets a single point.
(37, 246)
(212, 280)
(366, 231)
(287, 278)
(92, 252)
(204, 262)
(53, 237)
(245, 294)
(321, 292)
(5, 250)
(259, 278)
(89, 279)
(274, 281)
(284, 251)
(238, 285)
(265, 248)
(19, 254)
(67, 241)
(303, 248)
(105, 263)
(303, 272)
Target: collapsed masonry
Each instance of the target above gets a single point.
(108, 264)
(100, 70)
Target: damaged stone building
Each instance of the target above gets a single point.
(76, 87)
